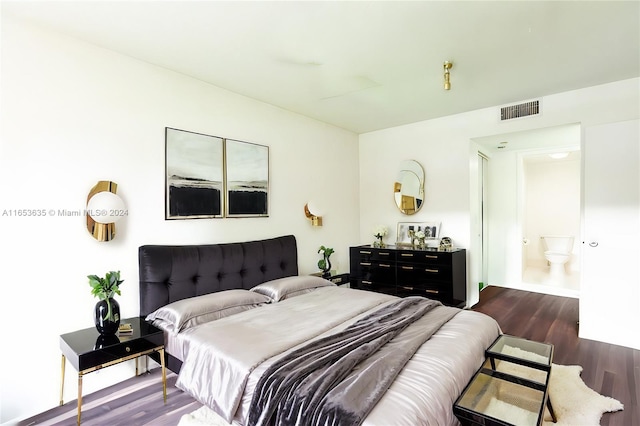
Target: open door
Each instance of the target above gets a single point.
(610, 294)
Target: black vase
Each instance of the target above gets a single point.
(326, 272)
(107, 320)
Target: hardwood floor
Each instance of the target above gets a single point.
(608, 369)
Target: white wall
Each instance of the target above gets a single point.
(445, 149)
(73, 114)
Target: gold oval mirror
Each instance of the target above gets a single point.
(409, 187)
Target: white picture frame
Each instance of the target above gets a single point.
(404, 239)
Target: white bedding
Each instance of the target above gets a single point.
(224, 359)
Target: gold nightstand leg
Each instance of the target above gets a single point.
(62, 382)
(79, 396)
(164, 376)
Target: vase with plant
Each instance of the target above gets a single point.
(107, 310)
(325, 264)
(420, 235)
(379, 232)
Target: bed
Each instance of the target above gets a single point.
(240, 323)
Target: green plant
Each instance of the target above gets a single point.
(324, 263)
(105, 288)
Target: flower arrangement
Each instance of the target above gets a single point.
(380, 231)
(420, 235)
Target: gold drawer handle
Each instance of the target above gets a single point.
(366, 282)
(408, 267)
(407, 288)
(432, 291)
(431, 270)
(365, 252)
(365, 263)
(407, 254)
(430, 256)
(382, 265)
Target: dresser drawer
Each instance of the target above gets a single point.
(376, 254)
(377, 271)
(425, 258)
(421, 273)
(113, 352)
(379, 287)
(442, 294)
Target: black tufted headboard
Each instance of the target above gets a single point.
(170, 273)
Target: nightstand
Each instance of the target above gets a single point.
(88, 351)
(337, 279)
(340, 279)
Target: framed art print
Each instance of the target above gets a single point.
(431, 230)
(247, 179)
(193, 175)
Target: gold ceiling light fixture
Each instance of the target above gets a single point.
(447, 66)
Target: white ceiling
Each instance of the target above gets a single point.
(366, 65)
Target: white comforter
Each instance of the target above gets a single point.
(224, 359)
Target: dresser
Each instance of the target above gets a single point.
(400, 271)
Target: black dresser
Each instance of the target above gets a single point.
(400, 271)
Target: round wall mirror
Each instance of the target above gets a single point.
(409, 187)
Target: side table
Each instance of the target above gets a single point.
(337, 279)
(88, 351)
(340, 279)
(511, 387)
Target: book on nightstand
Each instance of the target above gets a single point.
(125, 328)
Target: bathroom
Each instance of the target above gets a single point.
(551, 221)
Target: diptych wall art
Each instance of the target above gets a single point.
(213, 177)
(247, 166)
(194, 175)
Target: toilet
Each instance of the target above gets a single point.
(557, 251)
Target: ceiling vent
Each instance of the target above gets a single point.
(520, 110)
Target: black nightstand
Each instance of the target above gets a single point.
(340, 279)
(88, 351)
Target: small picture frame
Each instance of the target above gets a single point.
(432, 230)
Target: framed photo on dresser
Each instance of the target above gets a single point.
(403, 238)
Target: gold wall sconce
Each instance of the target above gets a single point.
(104, 209)
(313, 213)
(447, 83)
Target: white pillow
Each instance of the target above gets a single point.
(186, 313)
(284, 288)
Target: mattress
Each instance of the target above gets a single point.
(224, 359)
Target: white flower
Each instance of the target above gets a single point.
(380, 231)
(419, 235)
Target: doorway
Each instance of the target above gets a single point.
(513, 247)
(550, 194)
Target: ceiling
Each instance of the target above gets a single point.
(365, 65)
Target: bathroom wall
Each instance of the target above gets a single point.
(552, 205)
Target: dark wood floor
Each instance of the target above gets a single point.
(608, 369)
